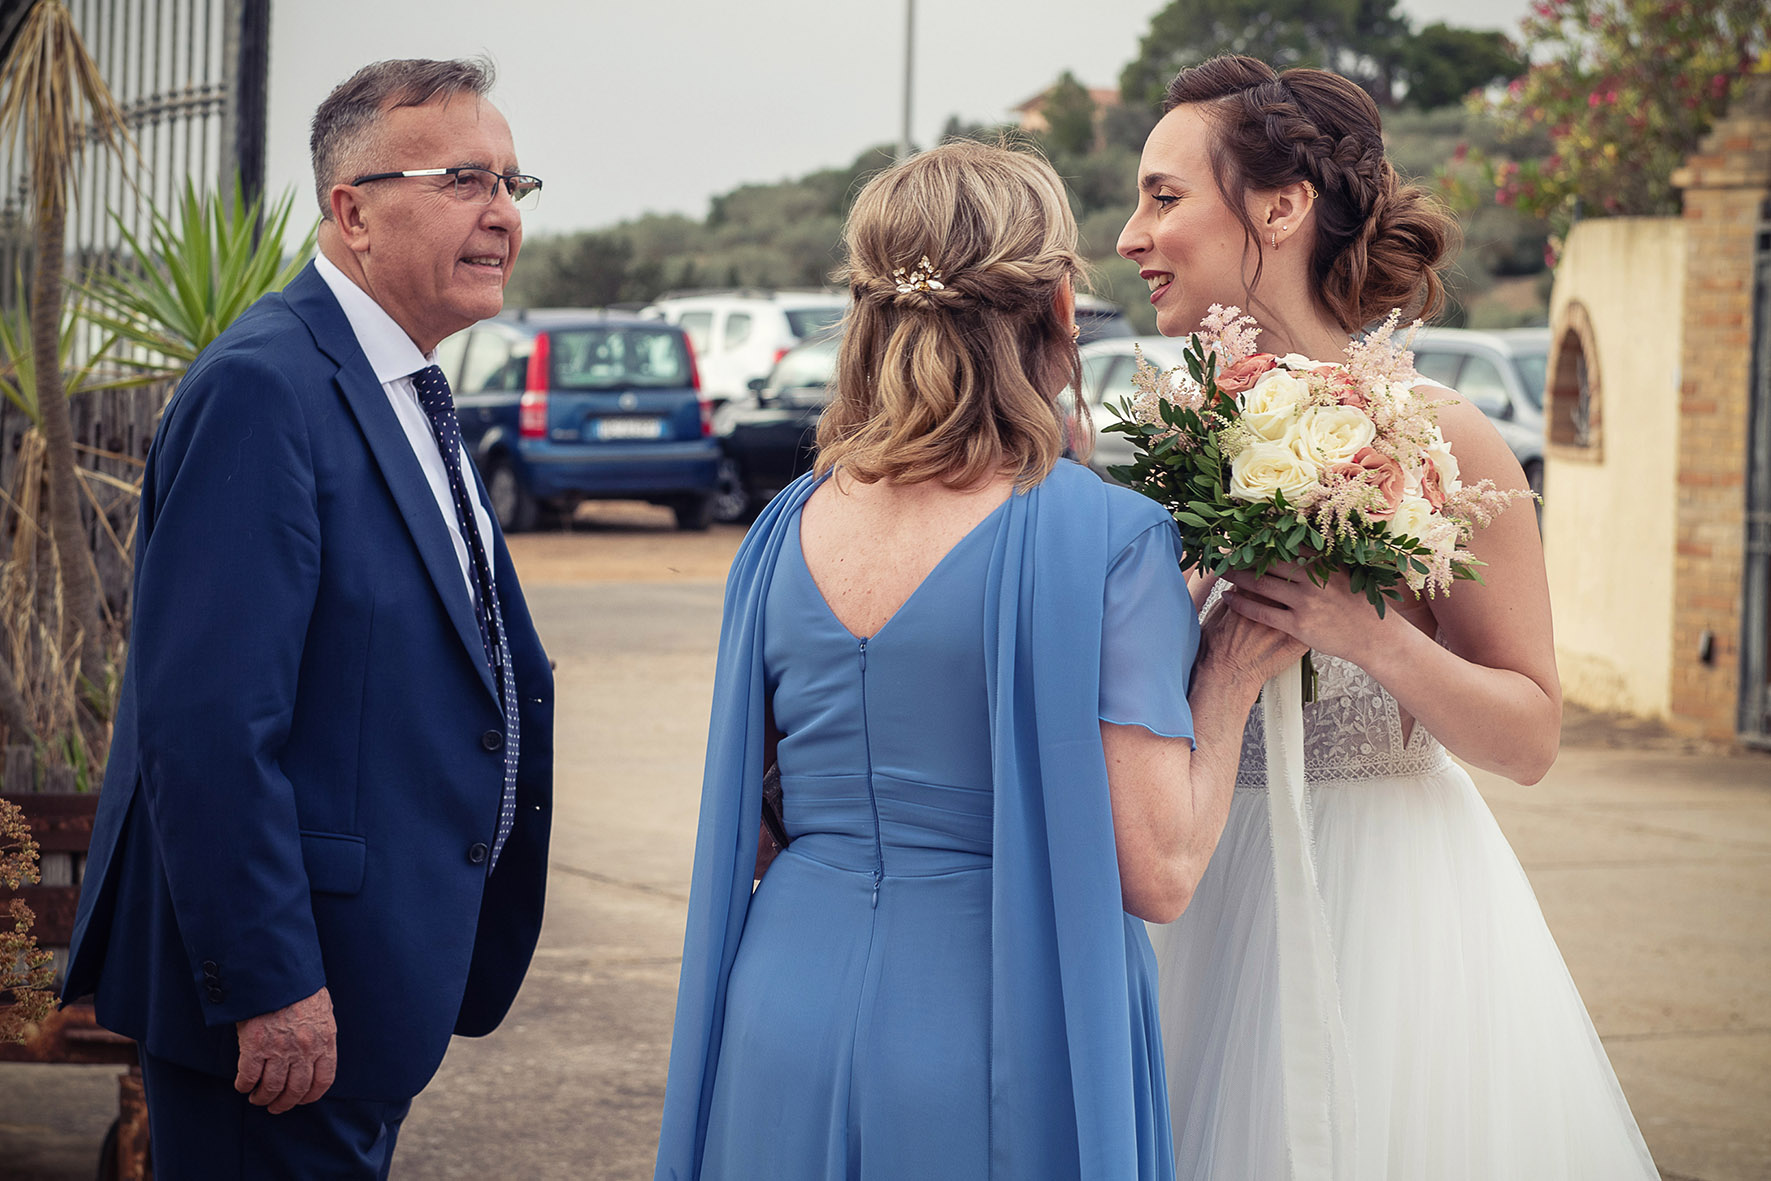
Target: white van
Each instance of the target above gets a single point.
(739, 335)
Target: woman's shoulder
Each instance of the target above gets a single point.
(1125, 514)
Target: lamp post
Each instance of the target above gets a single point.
(909, 54)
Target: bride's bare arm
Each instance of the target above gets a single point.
(1488, 689)
(1170, 801)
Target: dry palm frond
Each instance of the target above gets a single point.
(55, 95)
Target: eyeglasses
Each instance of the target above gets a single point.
(477, 186)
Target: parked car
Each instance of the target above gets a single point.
(562, 406)
(739, 335)
(767, 437)
(1107, 366)
(1100, 319)
(1502, 374)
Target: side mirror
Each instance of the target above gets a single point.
(756, 384)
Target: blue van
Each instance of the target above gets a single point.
(576, 404)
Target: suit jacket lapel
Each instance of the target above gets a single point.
(312, 300)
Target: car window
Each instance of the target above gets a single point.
(802, 369)
(804, 322)
(488, 357)
(1439, 367)
(625, 356)
(1481, 383)
(449, 355)
(1107, 378)
(737, 329)
(1530, 368)
(699, 326)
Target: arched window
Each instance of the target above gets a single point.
(1573, 408)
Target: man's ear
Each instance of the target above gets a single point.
(351, 217)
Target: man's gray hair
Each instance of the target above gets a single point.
(342, 125)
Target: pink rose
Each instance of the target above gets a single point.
(1240, 377)
(1432, 485)
(1348, 393)
(1381, 472)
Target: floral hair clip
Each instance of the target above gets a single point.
(924, 278)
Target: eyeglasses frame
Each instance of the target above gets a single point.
(502, 178)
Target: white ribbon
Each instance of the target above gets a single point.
(1316, 1070)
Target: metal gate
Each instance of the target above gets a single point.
(1755, 599)
(190, 76)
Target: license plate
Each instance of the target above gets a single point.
(629, 428)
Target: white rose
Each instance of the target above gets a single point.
(1298, 361)
(1272, 407)
(1262, 469)
(1414, 517)
(1445, 463)
(1333, 434)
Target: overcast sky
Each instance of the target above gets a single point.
(630, 108)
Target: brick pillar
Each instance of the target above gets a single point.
(1726, 186)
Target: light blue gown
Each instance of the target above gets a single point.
(936, 979)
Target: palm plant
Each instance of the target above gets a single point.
(53, 100)
(196, 273)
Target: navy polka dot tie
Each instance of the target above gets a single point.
(439, 407)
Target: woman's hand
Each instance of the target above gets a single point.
(1243, 646)
(1332, 619)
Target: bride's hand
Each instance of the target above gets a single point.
(1331, 619)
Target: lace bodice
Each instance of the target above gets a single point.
(1352, 732)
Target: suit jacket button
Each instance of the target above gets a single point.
(476, 853)
(492, 740)
(217, 994)
(210, 971)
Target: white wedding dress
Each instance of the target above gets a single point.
(1469, 1054)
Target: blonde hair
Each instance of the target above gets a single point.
(955, 380)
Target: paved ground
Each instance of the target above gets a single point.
(1652, 859)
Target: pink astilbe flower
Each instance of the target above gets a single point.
(1229, 333)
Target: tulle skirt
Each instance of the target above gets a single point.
(1473, 1058)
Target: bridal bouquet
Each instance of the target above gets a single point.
(1334, 466)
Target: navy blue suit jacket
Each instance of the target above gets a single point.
(305, 775)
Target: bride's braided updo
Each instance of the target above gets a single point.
(1379, 242)
(954, 350)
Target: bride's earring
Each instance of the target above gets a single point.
(1075, 331)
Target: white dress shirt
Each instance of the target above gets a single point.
(394, 358)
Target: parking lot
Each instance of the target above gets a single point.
(1652, 859)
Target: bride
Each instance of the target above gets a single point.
(1462, 1048)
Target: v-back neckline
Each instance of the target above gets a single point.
(818, 591)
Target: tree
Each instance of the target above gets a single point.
(53, 101)
(1069, 112)
(1624, 90)
(1358, 38)
(1442, 64)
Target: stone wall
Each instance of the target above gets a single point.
(1726, 186)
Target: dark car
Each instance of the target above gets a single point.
(1099, 319)
(562, 406)
(767, 439)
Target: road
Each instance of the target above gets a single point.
(1652, 859)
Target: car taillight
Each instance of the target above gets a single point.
(779, 353)
(532, 409)
(694, 365)
(706, 416)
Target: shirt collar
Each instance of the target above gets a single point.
(391, 353)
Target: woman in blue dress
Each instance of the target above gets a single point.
(970, 661)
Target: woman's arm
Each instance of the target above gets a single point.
(1170, 800)
(1487, 688)
(766, 848)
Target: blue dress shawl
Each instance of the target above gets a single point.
(1076, 1070)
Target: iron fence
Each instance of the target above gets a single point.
(190, 78)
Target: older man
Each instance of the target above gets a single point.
(322, 842)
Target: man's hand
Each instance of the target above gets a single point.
(290, 1056)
